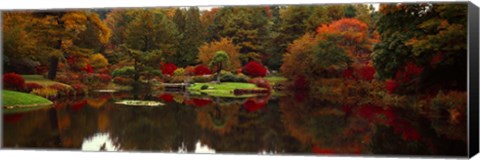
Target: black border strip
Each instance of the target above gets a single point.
(473, 114)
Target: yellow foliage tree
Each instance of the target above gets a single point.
(98, 61)
(208, 50)
(300, 58)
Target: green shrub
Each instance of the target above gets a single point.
(124, 71)
(204, 87)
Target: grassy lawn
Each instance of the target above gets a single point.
(222, 89)
(40, 80)
(12, 98)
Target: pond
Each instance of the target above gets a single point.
(288, 123)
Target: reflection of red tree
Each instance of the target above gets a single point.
(199, 102)
(409, 133)
(375, 114)
(12, 118)
(252, 104)
(166, 97)
(76, 106)
(319, 150)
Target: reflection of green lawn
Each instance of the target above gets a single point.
(40, 80)
(23, 101)
(275, 79)
(224, 89)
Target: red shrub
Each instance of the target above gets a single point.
(202, 70)
(31, 86)
(391, 86)
(254, 69)
(366, 73)
(13, 81)
(88, 68)
(189, 70)
(105, 78)
(168, 68)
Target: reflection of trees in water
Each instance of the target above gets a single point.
(366, 128)
(33, 130)
(63, 126)
(165, 128)
(244, 130)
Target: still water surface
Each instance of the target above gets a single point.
(283, 124)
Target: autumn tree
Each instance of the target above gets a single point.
(56, 33)
(208, 50)
(19, 44)
(353, 35)
(149, 38)
(434, 39)
(299, 58)
(220, 60)
(246, 26)
(189, 36)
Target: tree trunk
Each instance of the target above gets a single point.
(52, 72)
(218, 73)
(135, 68)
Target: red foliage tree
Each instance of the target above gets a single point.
(391, 86)
(168, 68)
(13, 81)
(254, 69)
(366, 73)
(410, 71)
(202, 70)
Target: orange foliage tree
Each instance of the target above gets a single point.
(208, 50)
(353, 34)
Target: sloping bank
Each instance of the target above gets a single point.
(14, 102)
